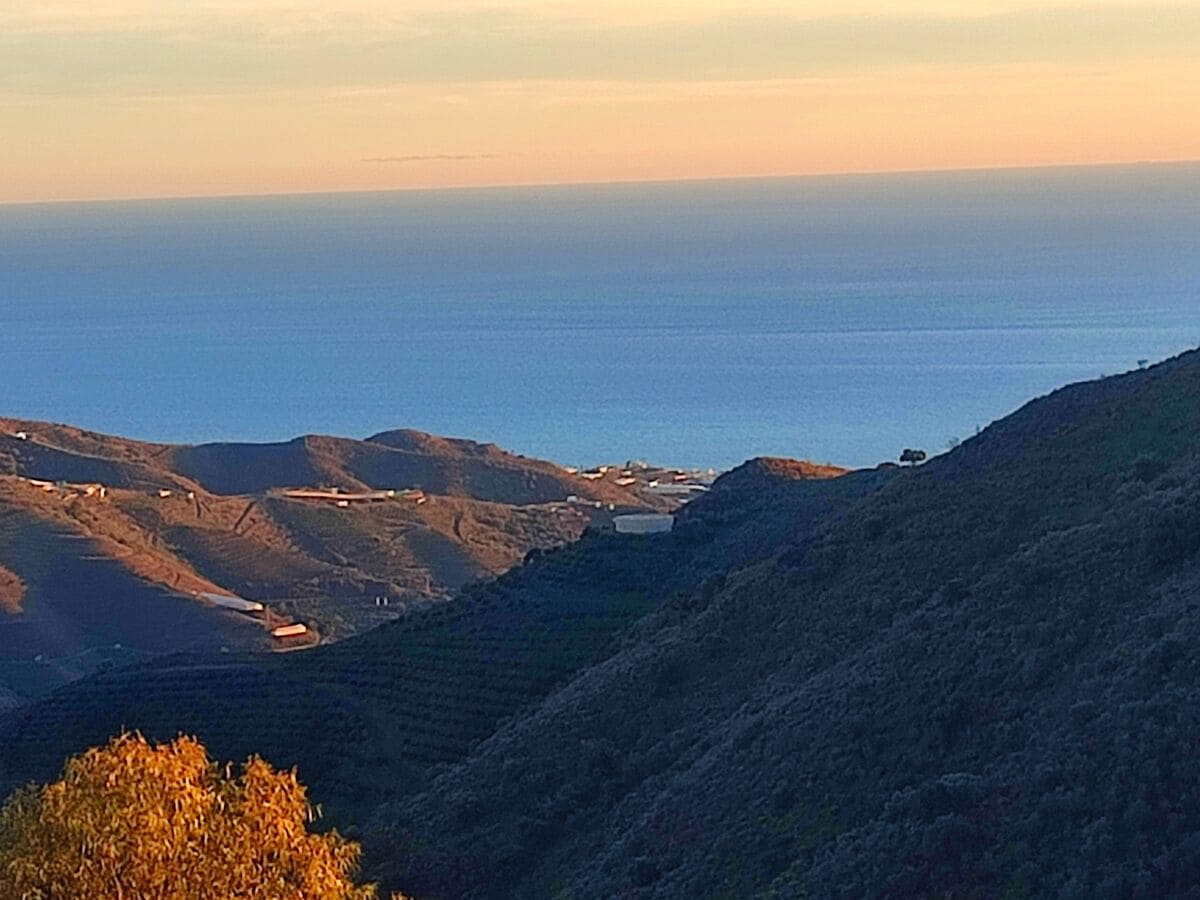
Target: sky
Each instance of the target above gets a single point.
(149, 98)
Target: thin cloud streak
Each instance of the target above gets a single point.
(433, 157)
(230, 54)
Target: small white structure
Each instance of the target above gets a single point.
(230, 602)
(344, 498)
(286, 631)
(22, 435)
(626, 481)
(643, 523)
(677, 490)
(163, 493)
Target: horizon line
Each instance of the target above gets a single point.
(616, 182)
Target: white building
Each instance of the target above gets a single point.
(230, 602)
(643, 523)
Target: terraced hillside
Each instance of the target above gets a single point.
(425, 689)
(422, 519)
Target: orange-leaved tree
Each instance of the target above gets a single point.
(134, 819)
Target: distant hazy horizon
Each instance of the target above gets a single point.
(1045, 167)
(694, 323)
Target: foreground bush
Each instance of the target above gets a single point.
(137, 820)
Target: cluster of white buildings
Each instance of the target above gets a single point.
(66, 487)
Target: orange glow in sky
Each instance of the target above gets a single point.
(131, 98)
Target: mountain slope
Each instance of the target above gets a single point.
(980, 682)
(421, 691)
(432, 515)
(976, 678)
(395, 459)
(81, 609)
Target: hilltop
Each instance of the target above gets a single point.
(394, 459)
(973, 678)
(106, 543)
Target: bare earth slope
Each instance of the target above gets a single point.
(82, 608)
(12, 591)
(431, 517)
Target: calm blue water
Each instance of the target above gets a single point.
(832, 318)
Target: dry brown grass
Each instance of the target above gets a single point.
(12, 591)
(114, 532)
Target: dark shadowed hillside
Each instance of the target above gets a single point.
(981, 682)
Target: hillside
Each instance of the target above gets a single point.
(395, 459)
(422, 519)
(975, 678)
(981, 682)
(12, 591)
(425, 689)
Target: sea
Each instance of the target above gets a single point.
(839, 319)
